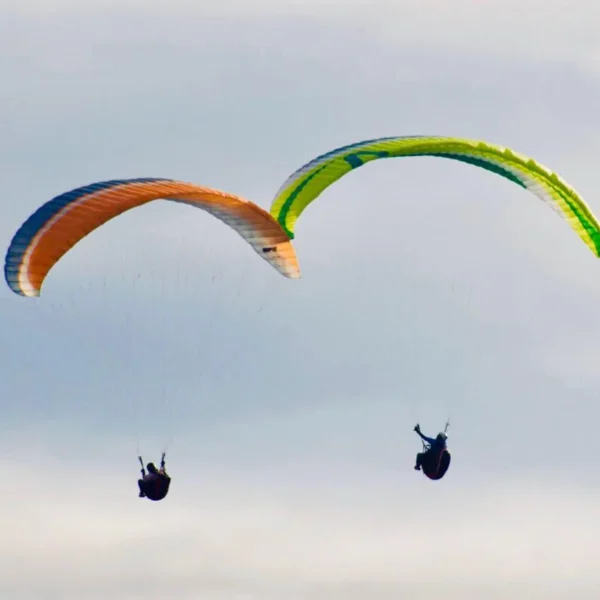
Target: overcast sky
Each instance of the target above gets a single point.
(430, 289)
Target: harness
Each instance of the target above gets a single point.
(437, 469)
(427, 451)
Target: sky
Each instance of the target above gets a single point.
(430, 290)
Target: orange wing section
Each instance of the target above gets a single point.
(62, 222)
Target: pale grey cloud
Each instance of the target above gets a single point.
(529, 34)
(224, 534)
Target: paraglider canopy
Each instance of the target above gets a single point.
(59, 224)
(309, 181)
